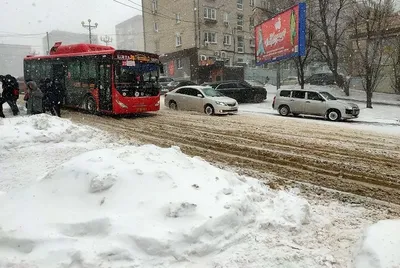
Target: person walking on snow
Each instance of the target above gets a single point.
(35, 100)
(10, 94)
(54, 94)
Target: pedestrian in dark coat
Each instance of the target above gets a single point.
(54, 97)
(35, 101)
(10, 94)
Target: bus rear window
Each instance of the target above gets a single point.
(285, 93)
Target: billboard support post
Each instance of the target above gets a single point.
(278, 75)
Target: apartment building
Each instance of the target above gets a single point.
(130, 34)
(212, 32)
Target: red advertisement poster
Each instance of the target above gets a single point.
(281, 37)
(171, 68)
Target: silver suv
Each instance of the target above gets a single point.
(311, 102)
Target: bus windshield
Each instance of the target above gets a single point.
(141, 73)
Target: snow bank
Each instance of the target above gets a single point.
(380, 246)
(31, 145)
(24, 131)
(137, 205)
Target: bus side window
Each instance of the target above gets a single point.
(92, 71)
(74, 72)
(85, 73)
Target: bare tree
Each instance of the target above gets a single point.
(394, 58)
(330, 18)
(370, 24)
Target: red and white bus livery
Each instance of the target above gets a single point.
(99, 78)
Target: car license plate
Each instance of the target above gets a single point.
(141, 109)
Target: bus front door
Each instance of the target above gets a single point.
(104, 86)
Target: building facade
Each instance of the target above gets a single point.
(220, 30)
(12, 59)
(67, 38)
(130, 34)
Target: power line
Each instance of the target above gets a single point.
(150, 13)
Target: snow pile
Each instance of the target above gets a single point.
(31, 145)
(380, 246)
(25, 130)
(143, 206)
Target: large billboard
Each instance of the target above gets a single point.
(281, 37)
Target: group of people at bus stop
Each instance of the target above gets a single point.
(39, 99)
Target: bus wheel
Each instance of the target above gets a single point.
(91, 105)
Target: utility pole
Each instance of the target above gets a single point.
(106, 39)
(89, 27)
(48, 43)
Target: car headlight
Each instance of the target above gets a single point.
(349, 108)
(220, 103)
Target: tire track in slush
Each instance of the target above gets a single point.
(364, 171)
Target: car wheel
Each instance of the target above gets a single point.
(333, 115)
(173, 105)
(91, 105)
(209, 110)
(284, 110)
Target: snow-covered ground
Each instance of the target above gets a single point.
(72, 198)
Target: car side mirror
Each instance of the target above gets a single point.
(199, 95)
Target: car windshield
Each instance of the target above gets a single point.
(210, 92)
(327, 96)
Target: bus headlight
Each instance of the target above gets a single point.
(158, 103)
(121, 104)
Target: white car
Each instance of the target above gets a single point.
(310, 102)
(201, 99)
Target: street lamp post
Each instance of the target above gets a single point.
(106, 39)
(89, 27)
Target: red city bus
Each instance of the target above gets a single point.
(99, 78)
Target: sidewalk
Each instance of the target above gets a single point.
(359, 96)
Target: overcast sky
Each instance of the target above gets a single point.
(39, 16)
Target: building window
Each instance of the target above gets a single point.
(227, 39)
(252, 42)
(156, 26)
(226, 17)
(240, 4)
(251, 22)
(240, 22)
(154, 6)
(210, 13)
(252, 3)
(157, 45)
(178, 17)
(265, 4)
(178, 40)
(179, 64)
(240, 46)
(240, 60)
(210, 37)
